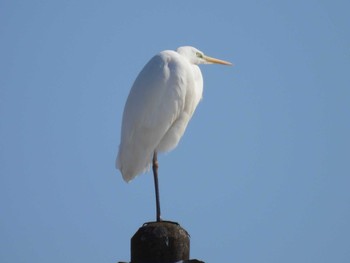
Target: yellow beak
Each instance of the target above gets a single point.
(216, 61)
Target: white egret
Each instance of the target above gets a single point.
(160, 104)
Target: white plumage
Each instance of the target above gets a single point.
(161, 102)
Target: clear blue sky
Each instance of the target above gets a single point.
(262, 173)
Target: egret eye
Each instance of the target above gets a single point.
(199, 55)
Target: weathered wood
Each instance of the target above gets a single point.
(160, 242)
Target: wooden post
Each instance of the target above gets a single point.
(160, 242)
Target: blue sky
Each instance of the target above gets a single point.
(262, 173)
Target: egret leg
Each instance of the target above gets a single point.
(155, 175)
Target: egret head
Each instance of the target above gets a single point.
(196, 56)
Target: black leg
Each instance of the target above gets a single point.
(155, 175)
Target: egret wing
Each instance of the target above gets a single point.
(155, 101)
